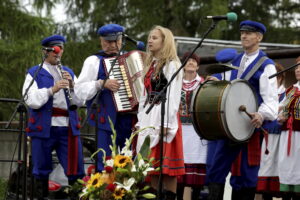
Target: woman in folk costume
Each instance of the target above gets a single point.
(194, 149)
(289, 146)
(161, 63)
(268, 180)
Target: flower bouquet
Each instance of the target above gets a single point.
(123, 177)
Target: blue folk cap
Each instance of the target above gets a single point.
(111, 31)
(252, 26)
(226, 55)
(54, 40)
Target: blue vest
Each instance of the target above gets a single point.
(106, 106)
(254, 80)
(39, 122)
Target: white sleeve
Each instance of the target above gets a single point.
(268, 91)
(35, 97)
(173, 93)
(142, 101)
(86, 86)
(75, 97)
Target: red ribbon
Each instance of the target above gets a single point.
(290, 128)
(147, 80)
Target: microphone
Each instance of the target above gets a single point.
(139, 44)
(231, 16)
(55, 49)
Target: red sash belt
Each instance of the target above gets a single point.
(58, 112)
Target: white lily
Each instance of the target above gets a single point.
(110, 162)
(84, 192)
(145, 166)
(126, 184)
(133, 168)
(126, 152)
(127, 143)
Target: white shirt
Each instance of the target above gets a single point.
(36, 97)
(267, 88)
(86, 86)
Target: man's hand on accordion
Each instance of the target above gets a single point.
(112, 84)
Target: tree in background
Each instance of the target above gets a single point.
(21, 32)
(281, 18)
(20, 35)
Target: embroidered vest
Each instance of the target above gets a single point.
(39, 122)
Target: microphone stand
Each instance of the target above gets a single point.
(94, 105)
(161, 96)
(278, 73)
(22, 108)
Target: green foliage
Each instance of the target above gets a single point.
(21, 33)
(3, 185)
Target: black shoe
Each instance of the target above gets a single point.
(168, 195)
(41, 189)
(179, 192)
(243, 194)
(216, 191)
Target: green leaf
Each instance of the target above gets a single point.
(104, 154)
(122, 170)
(145, 149)
(114, 150)
(149, 196)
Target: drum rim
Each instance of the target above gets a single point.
(194, 94)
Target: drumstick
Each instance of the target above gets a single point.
(243, 108)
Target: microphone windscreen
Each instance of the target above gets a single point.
(56, 49)
(140, 46)
(231, 16)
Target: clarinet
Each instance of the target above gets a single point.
(67, 90)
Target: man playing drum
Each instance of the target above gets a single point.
(244, 158)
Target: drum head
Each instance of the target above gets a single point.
(238, 124)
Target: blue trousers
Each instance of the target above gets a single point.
(42, 153)
(220, 156)
(123, 127)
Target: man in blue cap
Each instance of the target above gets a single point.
(244, 158)
(91, 80)
(51, 124)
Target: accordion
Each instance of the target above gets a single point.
(128, 71)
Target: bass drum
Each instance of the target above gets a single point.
(215, 110)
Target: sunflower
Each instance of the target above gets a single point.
(119, 193)
(121, 161)
(95, 181)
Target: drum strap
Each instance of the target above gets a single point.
(255, 68)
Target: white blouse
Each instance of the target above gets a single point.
(153, 119)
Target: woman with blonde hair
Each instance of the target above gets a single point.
(161, 63)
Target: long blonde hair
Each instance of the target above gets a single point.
(167, 53)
